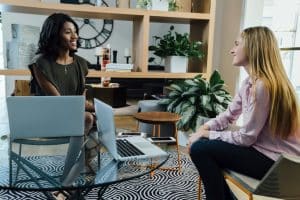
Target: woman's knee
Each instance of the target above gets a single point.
(199, 147)
(89, 117)
(89, 120)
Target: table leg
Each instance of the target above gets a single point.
(177, 147)
(154, 130)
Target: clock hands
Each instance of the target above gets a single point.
(94, 32)
(91, 24)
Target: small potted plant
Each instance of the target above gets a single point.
(162, 5)
(144, 4)
(176, 48)
(173, 5)
(196, 100)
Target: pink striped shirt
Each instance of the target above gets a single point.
(255, 131)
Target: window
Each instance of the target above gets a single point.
(2, 79)
(283, 18)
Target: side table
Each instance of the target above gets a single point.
(158, 118)
(114, 96)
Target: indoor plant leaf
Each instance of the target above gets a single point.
(197, 97)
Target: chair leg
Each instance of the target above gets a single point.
(199, 189)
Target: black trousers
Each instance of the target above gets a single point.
(212, 156)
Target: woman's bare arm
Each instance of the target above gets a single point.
(45, 85)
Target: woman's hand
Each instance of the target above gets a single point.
(202, 132)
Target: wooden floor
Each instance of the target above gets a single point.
(126, 122)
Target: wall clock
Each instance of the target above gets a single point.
(94, 32)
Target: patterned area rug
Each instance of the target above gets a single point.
(166, 185)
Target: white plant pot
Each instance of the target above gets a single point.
(183, 138)
(176, 64)
(160, 5)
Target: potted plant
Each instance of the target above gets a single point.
(173, 5)
(177, 46)
(162, 5)
(144, 4)
(196, 98)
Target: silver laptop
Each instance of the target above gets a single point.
(41, 115)
(107, 136)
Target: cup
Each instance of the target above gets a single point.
(105, 81)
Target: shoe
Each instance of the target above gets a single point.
(58, 195)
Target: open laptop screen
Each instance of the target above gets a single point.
(45, 116)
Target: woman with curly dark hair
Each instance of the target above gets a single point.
(56, 70)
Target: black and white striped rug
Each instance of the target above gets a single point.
(165, 185)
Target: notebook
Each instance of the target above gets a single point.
(45, 116)
(107, 136)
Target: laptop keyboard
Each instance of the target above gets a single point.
(126, 149)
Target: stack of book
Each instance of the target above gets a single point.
(119, 67)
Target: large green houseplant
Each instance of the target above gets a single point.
(175, 44)
(196, 97)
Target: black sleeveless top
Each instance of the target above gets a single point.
(67, 79)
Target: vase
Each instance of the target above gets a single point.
(162, 5)
(176, 64)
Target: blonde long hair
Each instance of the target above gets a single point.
(265, 63)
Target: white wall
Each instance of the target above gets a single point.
(228, 25)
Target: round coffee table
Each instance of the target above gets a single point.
(158, 118)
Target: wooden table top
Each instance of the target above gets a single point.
(157, 117)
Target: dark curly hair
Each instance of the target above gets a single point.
(49, 41)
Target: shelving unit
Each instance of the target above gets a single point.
(201, 28)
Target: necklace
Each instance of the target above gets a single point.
(67, 68)
(66, 64)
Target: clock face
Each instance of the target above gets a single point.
(94, 32)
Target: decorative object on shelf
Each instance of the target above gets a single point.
(184, 5)
(123, 3)
(127, 54)
(94, 32)
(173, 6)
(119, 67)
(144, 4)
(70, 1)
(115, 54)
(105, 81)
(105, 55)
(176, 44)
(91, 2)
(197, 97)
(98, 54)
(176, 64)
(162, 5)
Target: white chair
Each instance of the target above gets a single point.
(282, 181)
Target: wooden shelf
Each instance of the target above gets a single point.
(201, 28)
(89, 11)
(96, 74)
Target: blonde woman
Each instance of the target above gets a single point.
(271, 118)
